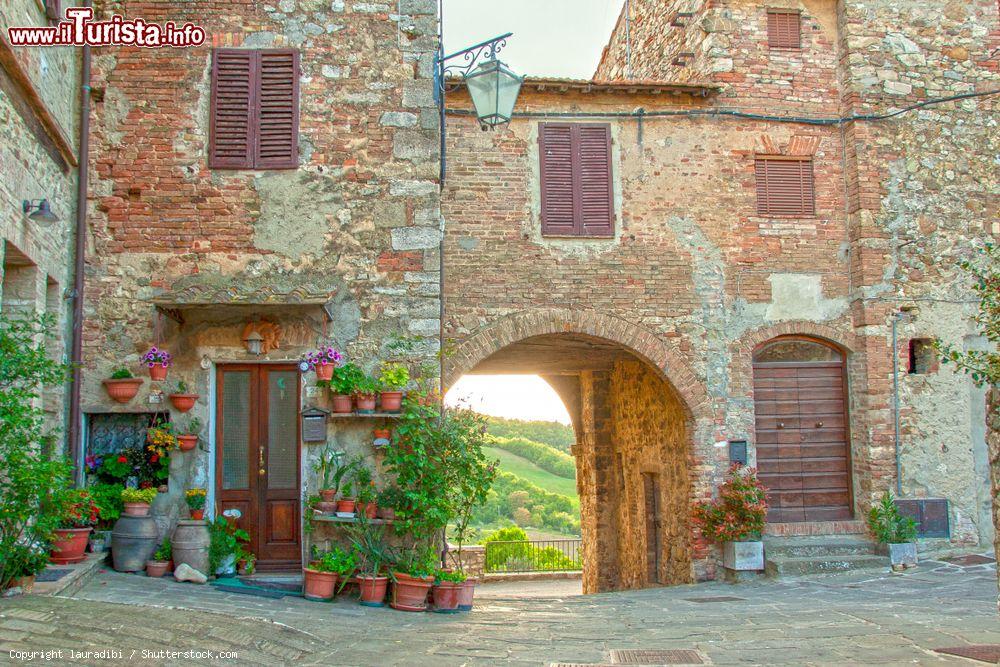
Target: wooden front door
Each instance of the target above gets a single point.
(803, 456)
(651, 497)
(257, 458)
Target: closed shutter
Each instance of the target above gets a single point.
(784, 29)
(53, 11)
(577, 193)
(255, 109)
(785, 187)
(278, 123)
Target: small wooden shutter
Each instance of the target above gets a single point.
(231, 145)
(53, 11)
(255, 109)
(785, 186)
(278, 122)
(577, 193)
(784, 29)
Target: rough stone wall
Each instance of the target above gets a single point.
(41, 257)
(359, 218)
(649, 437)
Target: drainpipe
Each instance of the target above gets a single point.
(895, 401)
(76, 350)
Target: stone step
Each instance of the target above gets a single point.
(791, 566)
(834, 546)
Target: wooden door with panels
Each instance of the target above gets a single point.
(257, 458)
(803, 455)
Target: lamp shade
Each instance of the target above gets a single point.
(494, 89)
(42, 211)
(254, 343)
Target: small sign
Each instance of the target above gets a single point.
(314, 425)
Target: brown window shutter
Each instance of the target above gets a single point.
(277, 145)
(234, 83)
(53, 11)
(784, 29)
(556, 159)
(577, 194)
(785, 186)
(595, 191)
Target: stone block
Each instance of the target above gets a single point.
(415, 238)
(398, 119)
(743, 556)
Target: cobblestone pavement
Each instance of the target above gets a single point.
(858, 618)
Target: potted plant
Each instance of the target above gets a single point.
(366, 391)
(108, 498)
(332, 471)
(323, 361)
(137, 501)
(24, 563)
(448, 585)
(226, 545)
(122, 386)
(189, 439)
(372, 555)
(393, 378)
(247, 563)
(388, 497)
(158, 361)
(736, 519)
(343, 383)
(77, 515)
(319, 579)
(413, 577)
(195, 499)
(367, 504)
(896, 532)
(160, 563)
(181, 399)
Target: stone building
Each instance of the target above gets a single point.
(700, 256)
(39, 154)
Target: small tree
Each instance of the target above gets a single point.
(982, 365)
(29, 477)
(740, 510)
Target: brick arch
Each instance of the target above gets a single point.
(639, 341)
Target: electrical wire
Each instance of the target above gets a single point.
(735, 113)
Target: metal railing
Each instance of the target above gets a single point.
(533, 556)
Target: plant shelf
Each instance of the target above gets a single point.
(365, 415)
(333, 518)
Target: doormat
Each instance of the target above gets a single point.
(968, 560)
(291, 585)
(633, 656)
(984, 652)
(52, 574)
(718, 598)
(262, 589)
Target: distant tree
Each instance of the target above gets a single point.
(518, 499)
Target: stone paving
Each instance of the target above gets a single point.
(871, 617)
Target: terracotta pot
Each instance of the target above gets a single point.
(197, 515)
(382, 433)
(446, 597)
(392, 401)
(342, 404)
(324, 371)
(136, 509)
(410, 593)
(370, 510)
(27, 582)
(123, 390)
(156, 568)
(466, 594)
(366, 402)
(346, 505)
(187, 442)
(69, 545)
(183, 402)
(328, 495)
(373, 590)
(326, 508)
(318, 585)
(386, 513)
(157, 372)
(170, 566)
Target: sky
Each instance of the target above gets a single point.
(562, 38)
(513, 396)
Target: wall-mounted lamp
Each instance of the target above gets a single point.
(39, 210)
(254, 343)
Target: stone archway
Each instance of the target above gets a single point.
(636, 408)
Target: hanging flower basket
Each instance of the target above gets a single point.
(323, 361)
(122, 390)
(158, 361)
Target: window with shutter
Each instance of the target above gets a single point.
(576, 186)
(784, 29)
(53, 11)
(255, 109)
(785, 186)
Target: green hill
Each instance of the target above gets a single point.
(527, 470)
(553, 434)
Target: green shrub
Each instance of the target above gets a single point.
(887, 525)
(165, 551)
(138, 495)
(545, 457)
(511, 551)
(510, 492)
(109, 502)
(122, 374)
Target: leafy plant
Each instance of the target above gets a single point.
(345, 378)
(73, 507)
(887, 525)
(390, 496)
(369, 545)
(195, 498)
(193, 427)
(453, 576)
(332, 469)
(30, 475)
(225, 541)
(983, 366)
(121, 374)
(393, 376)
(116, 467)
(366, 385)
(418, 561)
(108, 498)
(181, 387)
(739, 512)
(363, 484)
(335, 560)
(146, 496)
(165, 551)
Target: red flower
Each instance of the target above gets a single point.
(122, 459)
(154, 458)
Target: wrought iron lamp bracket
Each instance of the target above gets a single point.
(470, 58)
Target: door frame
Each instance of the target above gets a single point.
(260, 400)
(844, 354)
